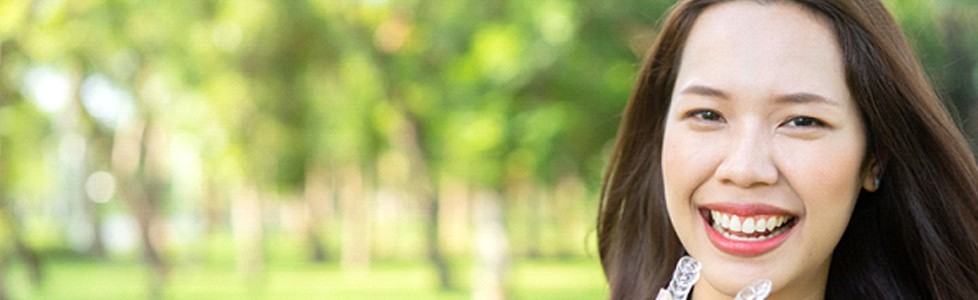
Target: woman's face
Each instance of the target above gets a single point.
(763, 150)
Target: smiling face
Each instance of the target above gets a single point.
(763, 149)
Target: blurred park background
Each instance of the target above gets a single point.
(337, 149)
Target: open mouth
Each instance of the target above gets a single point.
(748, 228)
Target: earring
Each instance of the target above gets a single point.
(876, 183)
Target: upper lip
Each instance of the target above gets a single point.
(747, 209)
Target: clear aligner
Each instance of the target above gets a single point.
(686, 274)
(755, 291)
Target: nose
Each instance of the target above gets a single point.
(748, 161)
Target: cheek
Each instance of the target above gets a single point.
(686, 163)
(827, 179)
(834, 188)
(679, 170)
(674, 163)
(828, 172)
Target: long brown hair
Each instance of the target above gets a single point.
(916, 237)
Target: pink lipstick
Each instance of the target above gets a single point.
(747, 229)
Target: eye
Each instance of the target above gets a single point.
(805, 122)
(705, 115)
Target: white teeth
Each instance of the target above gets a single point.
(732, 224)
(735, 223)
(748, 226)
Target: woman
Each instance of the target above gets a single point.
(795, 141)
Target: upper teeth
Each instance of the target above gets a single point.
(748, 225)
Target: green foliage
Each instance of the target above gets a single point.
(22, 132)
(519, 97)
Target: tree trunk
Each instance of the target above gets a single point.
(71, 129)
(94, 214)
(213, 207)
(423, 186)
(315, 195)
(140, 202)
(423, 182)
(247, 225)
(302, 214)
(491, 249)
(569, 192)
(454, 218)
(538, 216)
(355, 252)
(27, 255)
(99, 146)
(4, 266)
(135, 164)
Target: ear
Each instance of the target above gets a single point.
(871, 175)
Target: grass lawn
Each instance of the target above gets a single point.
(74, 278)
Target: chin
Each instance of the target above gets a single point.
(729, 277)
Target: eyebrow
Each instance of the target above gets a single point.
(793, 98)
(704, 91)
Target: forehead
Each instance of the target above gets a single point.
(775, 47)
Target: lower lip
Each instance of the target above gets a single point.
(745, 248)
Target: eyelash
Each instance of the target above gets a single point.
(713, 116)
(806, 122)
(705, 115)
